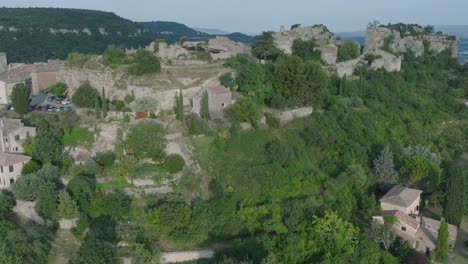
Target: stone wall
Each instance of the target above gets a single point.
(376, 36)
(284, 39)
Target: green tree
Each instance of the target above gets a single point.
(174, 163)
(144, 62)
(343, 89)
(104, 103)
(113, 56)
(30, 167)
(244, 110)
(253, 80)
(58, 88)
(227, 80)
(264, 47)
(85, 96)
(47, 146)
(306, 50)
(385, 169)
(455, 195)
(179, 106)
(441, 251)
(20, 98)
(146, 140)
(67, 207)
(97, 107)
(95, 251)
(6, 205)
(349, 51)
(418, 167)
(382, 234)
(205, 110)
(303, 81)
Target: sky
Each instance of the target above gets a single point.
(253, 16)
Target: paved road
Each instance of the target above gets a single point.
(39, 99)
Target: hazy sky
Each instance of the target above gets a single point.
(259, 15)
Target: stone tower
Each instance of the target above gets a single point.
(3, 63)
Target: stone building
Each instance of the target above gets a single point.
(10, 168)
(421, 232)
(219, 98)
(13, 133)
(39, 75)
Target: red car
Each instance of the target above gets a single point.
(37, 108)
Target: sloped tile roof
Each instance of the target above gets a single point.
(401, 196)
(7, 159)
(219, 90)
(402, 217)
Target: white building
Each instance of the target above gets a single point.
(13, 133)
(10, 168)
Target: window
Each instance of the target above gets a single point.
(1, 169)
(222, 104)
(27, 134)
(6, 139)
(403, 228)
(10, 168)
(17, 137)
(417, 208)
(12, 180)
(16, 149)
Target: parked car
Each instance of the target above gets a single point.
(31, 107)
(68, 109)
(66, 101)
(37, 108)
(7, 107)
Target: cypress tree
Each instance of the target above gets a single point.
(180, 107)
(97, 107)
(440, 253)
(205, 111)
(455, 191)
(20, 98)
(342, 91)
(104, 104)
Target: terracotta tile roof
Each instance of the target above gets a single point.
(401, 196)
(7, 159)
(219, 90)
(402, 217)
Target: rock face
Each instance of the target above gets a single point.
(171, 52)
(285, 38)
(347, 67)
(223, 48)
(388, 61)
(403, 42)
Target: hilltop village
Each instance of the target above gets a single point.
(299, 148)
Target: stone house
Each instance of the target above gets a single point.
(39, 76)
(219, 98)
(421, 232)
(13, 133)
(10, 168)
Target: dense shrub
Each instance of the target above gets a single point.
(113, 56)
(146, 140)
(349, 51)
(30, 167)
(105, 159)
(244, 110)
(196, 125)
(174, 163)
(227, 81)
(85, 95)
(144, 62)
(58, 88)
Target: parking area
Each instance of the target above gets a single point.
(45, 102)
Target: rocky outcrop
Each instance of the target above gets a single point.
(403, 42)
(329, 53)
(386, 61)
(172, 52)
(347, 67)
(285, 38)
(223, 48)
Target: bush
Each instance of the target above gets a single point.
(272, 121)
(458, 93)
(119, 105)
(113, 56)
(105, 159)
(349, 51)
(90, 167)
(227, 80)
(30, 167)
(85, 95)
(76, 59)
(144, 63)
(146, 140)
(196, 125)
(174, 163)
(58, 88)
(244, 110)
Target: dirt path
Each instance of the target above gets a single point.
(183, 256)
(64, 246)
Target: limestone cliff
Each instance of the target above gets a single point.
(401, 42)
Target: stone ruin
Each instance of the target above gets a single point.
(218, 48)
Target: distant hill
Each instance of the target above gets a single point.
(38, 34)
(457, 30)
(173, 31)
(212, 31)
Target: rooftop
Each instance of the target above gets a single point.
(10, 124)
(401, 196)
(402, 217)
(219, 90)
(7, 159)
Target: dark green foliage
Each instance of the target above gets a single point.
(97, 107)
(227, 81)
(441, 251)
(179, 106)
(47, 198)
(95, 251)
(455, 201)
(81, 189)
(47, 146)
(264, 47)
(197, 125)
(58, 88)
(300, 80)
(30, 167)
(20, 98)
(144, 62)
(174, 163)
(115, 205)
(85, 96)
(105, 159)
(67, 207)
(104, 104)
(244, 110)
(280, 153)
(31, 186)
(252, 79)
(205, 110)
(349, 51)
(306, 50)
(387, 44)
(146, 140)
(272, 121)
(113, 56)
(6, 204)
(167, 217)
(57, 46)
(295, 26)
